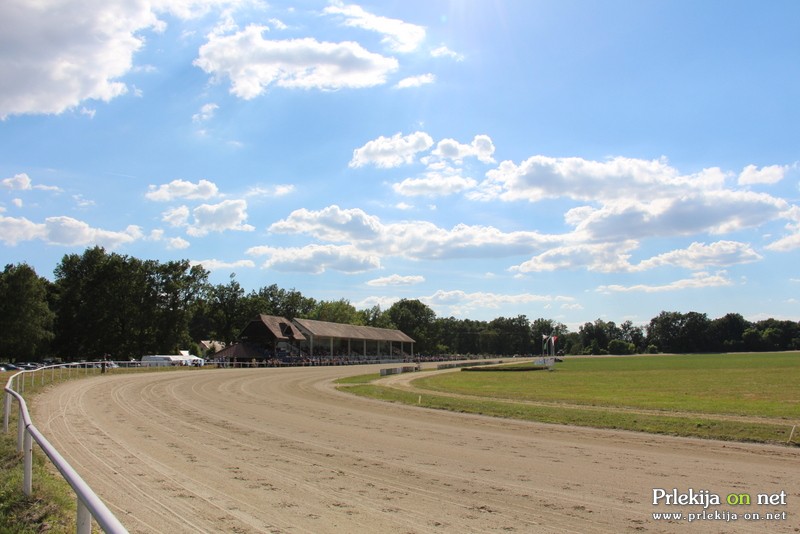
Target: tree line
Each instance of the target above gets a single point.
(104, 304)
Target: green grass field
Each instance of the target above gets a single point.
(746, 397)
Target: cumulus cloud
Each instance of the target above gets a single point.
(443, 51)
(716, 212)
(23, 182)
(206, 113)
(481, 147)
(766, 175)
(331, 224)
(699, 256)
(14, 230)
(64, 231)
(697, 281)
(790, 241)
(54, 56)
(219, 265)
(398, 35)
(416, 81)
(227, 215)
(253, 63)
(462, 303)
(178, 216)
(435, 184)
(396, 280)
(542, 177)
(278, 190)
(316, 259)
(71, 232)
(18, 182)
(599, 257)
(202, 190)
(388, 152)
(177, 243)
(410, 239)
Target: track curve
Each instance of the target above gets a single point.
(281, 450)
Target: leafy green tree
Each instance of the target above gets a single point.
(619, 347)
(632, 334)
(26, 320)
(415, 319)
(664, 331)
(228, 311)
(336, 311)
(107, 304)
(513, 335)
(726, 333)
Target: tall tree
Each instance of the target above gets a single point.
(26, 320)
(336, 311)
(415, 319)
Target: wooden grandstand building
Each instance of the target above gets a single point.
(270, 338)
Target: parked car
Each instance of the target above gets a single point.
(9, 367)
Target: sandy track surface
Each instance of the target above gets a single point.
(281, 450)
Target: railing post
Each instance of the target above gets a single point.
(6, 411)
(27, 463)
(20, 429)
(84, 520)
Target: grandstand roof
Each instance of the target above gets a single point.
(271, 327)
(349, 331)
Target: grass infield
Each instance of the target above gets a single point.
(740, 397)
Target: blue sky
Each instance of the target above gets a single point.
(570, 160)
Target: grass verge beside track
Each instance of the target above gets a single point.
(51, 507)
(734, 397)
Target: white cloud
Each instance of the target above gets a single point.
(398, 35)
(542, 177)
(279, 190)
(18, 182)
(766, 175)
(23, 182)
(177, 243)
(416, 81)
(202, 190)
(434, 184)
(715, 212)
(253, 63)
(331, 224)
(227, 215)
(71, 232)
(218, 265)
(178, 216)
(462, 303)
(792, 240)
(14, 230)
(699, 280)
(410, 239)
(388, 152)
(481, 147)
(699, 256)
(396, 280)
(317, 259)
(599, 257)
(56, 55)
(443, 51)
(65, 231)
(206, 113)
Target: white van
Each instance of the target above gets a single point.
(161, 360)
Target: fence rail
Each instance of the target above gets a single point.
(89, 504)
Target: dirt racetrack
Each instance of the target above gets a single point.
(281, 450)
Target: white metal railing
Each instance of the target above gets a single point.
(89, 504)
